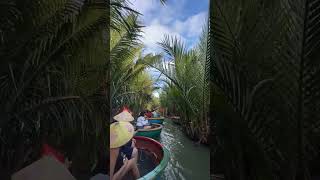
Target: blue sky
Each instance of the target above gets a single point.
(182, 18)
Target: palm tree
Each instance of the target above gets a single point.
(127, 66)
(263, 57)
(186, 78)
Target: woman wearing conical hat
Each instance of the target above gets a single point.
(123, 153)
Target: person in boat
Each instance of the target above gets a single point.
(123, 153)
(155, 114)
(149, 114)
(142, 122)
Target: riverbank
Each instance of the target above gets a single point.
(187, 130)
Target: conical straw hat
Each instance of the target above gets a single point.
(120, 134)
(124, 116)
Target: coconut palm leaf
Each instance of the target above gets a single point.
(286, 36)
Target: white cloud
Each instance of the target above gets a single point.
(169, 19)
(188, 31)
(151, 9)
(155, 32)
(192, 26)
(169, 13)
(144, 6)
(160, 20)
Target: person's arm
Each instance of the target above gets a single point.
(122, 171)
(143, 122)
(114, 152)
(138, 122)
(146, 122)
(133, 143)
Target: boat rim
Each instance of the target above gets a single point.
(154, 129)
(161, 166)
(156, 118)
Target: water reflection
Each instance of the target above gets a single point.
(187, 161)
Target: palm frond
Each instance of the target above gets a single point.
(250, 42)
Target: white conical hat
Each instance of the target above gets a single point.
(124, 116)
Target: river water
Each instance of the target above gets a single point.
(187, 160)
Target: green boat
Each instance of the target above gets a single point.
(156, 153)
(156, 120)
(154, 132)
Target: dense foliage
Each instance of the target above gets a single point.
(265, 94)
(54, 79)
(186, 76)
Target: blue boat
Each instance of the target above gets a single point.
(156, 120)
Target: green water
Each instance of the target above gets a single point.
(187, 160)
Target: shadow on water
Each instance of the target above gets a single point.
(187, 160)
(145, 162)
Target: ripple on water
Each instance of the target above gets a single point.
(186, 160)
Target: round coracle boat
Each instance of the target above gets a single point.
(156, 120)
(154, 132)
(153, 158)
